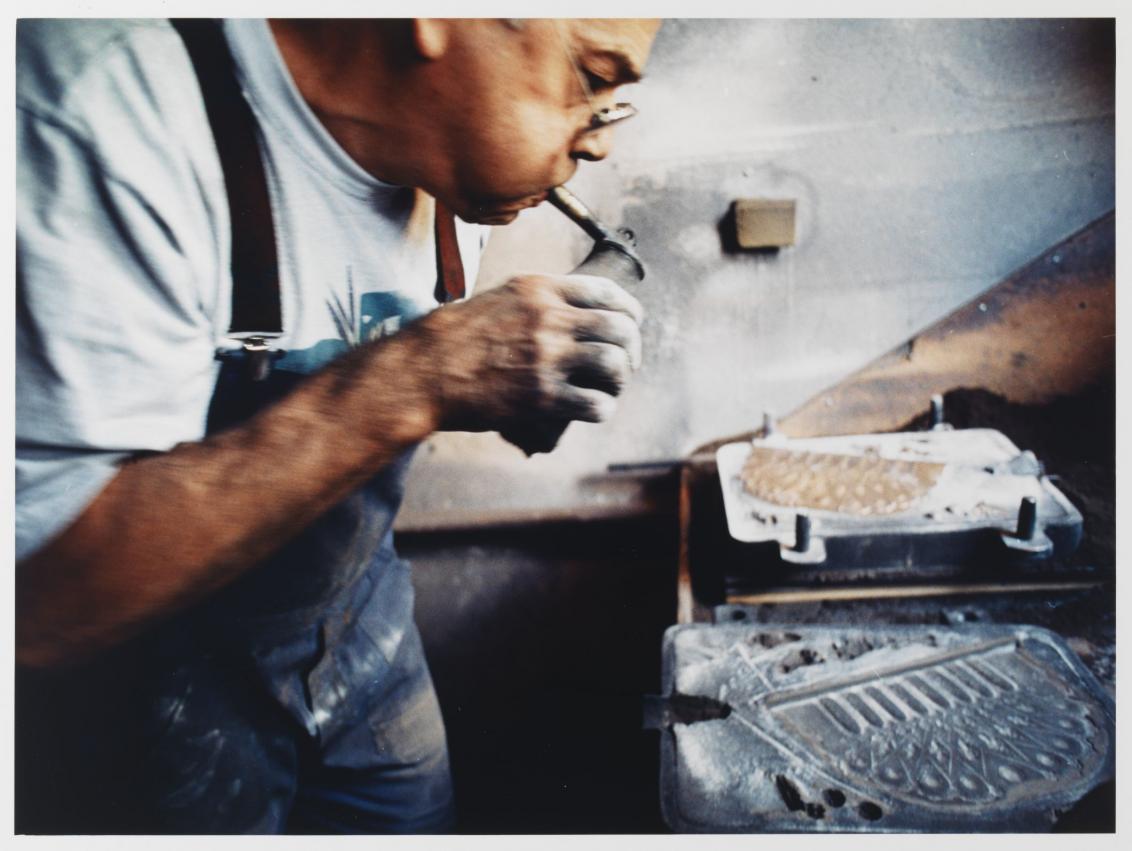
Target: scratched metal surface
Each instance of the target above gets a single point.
(977, 728)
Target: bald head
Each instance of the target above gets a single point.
(484, 114)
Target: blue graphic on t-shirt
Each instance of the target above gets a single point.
(313, 358)
(383, 314)
(379, 314)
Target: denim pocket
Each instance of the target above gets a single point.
(409, 731)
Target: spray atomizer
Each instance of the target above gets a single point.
(614, 257)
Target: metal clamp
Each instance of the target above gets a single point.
(258, 355)
(807, 549)
(1027, 537)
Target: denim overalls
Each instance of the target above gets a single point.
(299, 697)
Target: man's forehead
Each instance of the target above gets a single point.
(627, 38)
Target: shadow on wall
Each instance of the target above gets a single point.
(928, 159)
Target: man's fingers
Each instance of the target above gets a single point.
(607, 326)
(600, 366)
(582, 403)
(538, 349)
(595, 293)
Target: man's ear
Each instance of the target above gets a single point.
(430, 37)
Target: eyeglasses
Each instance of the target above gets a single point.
(611, 115)
(600, 118)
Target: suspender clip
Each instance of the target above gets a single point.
(260, 355)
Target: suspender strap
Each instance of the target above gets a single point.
(449, 268)
(256, 306)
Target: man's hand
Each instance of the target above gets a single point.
(530, 356)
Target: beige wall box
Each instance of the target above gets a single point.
(764, 222)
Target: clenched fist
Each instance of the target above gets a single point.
(530, 356)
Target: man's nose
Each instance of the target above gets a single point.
(593, 145)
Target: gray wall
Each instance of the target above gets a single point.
(928, 158)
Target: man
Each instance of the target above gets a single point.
(212, 547)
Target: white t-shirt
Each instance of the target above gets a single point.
(123, 279)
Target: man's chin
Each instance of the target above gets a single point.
(502, 212)
(491, 217)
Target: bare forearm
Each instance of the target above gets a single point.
(170, 529)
